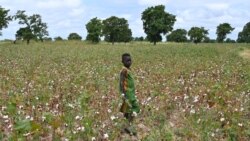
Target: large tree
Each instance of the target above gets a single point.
(222, 31)
(74, 36)
(34, 27)
(156, 22)
(244, 35)
(116, 30)
(126, 35)
(25, 34)
(94, 28)
(178, 35)
(197, 34)
(4, 18)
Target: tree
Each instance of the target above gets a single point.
(4, 19)
(94, 28)
(47, 39)
(74, 36)
(244, 35)
(34, 27)
(58, 38)
(222, 31)
(228, 40)
(197, 34)
(24, 34)
(156, 22)
(207, 40)
(116, 30)
(139, 38)
(178, 35)
(126, 36)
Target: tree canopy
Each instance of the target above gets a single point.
(74, 36)
(244, 35)
(178, 35)
(94, 29)
(139, 38)
(4, 18)
(197, 34)
(222, 31)
(116, 30)
(156, 22)
(58, 38)
(34, 27)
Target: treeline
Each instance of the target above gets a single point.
(156, 22)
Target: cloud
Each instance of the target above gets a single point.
(152, 2)
(217, 6)
(66, 16)
(137, 32)
(48, 4)
(77, 12)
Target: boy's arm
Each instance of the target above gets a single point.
(123, 83)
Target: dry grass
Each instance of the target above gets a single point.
(245, 54)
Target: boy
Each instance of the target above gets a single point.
(129, 107)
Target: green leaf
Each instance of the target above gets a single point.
(11, 108)
(23, 125)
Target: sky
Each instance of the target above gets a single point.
(71, 16)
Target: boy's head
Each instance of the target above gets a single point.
(126, 60)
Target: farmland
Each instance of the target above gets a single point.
(69, 91)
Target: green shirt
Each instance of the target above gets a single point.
(127, 85)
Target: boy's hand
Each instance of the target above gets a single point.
(126, 100)
(123, 96)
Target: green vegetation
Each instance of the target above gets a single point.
(74, 36)
(69, 90)
(178, 35)
(94, 28)
(197, 34)
(34, 27)
(4, 19)
(244, 35)
(116, 30)
(156, 22)
(222, 31)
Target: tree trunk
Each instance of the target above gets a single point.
(154, 43)
(28, 41)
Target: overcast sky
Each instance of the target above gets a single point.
(67, 16)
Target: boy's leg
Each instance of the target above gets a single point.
(129, 117)
(129, 128)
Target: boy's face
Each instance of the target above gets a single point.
(127, 61)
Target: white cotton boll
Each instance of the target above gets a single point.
(199, 120)
(192, 111)
(106, 136)
(134, 114)
(43, 118)
(149, 99)
(196, 99)
(112, 117)
(5, 116)
(109, 111)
